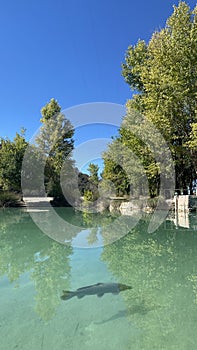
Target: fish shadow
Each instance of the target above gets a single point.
(136, 309)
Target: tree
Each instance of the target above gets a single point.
(11, 157)
(141, 164)
(164, 74)
(56, 143)
(114, 178)
(193, 137)
(83, 182)
(192, 143)
(90, 190)
(50, 110)
(93, 170)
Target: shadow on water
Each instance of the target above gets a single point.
(136, 309)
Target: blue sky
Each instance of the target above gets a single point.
(69, 50)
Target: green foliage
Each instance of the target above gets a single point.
(88, 196)
(11, 157)
(56, 143)
(193, 137)
(93, 170)
(192, 144)
(32, 175)
(83, 182)
(88, 184)
(50, 110)
(165, 76)
(8, 199)
(141, 161)
(55, 138)
(117, 181)
(135, 57)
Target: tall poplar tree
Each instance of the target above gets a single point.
(55, 141)
(163, 72)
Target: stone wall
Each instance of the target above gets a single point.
(185, 203)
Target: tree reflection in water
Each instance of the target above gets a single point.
(23, 248)
(161, 268)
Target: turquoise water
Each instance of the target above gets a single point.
(160, 312)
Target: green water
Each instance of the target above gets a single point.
(160, 312)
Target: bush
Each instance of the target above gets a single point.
(8, 199)
(88, 196)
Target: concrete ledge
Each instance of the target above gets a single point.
(185, 203)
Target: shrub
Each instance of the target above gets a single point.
(8, 199)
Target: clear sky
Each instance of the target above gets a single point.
(69, 50)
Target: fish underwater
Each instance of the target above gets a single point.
(98, 289)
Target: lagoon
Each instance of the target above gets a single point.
(160, 312)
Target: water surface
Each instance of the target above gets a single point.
(160, 312)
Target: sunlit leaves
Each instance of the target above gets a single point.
(165, 74)
(11, 156)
